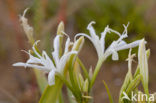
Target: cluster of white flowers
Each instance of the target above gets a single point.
(99, 43)
(57, 65)
(44, 62)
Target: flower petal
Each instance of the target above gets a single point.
(51, 77)
(48, 62)
(34, 49)
(56, 45)
(31, 66)
(92, 31)
(67, 42)
(130, 45)
(63, 61)
(102, 39)
(67, 45)
(33, 59)
(115, 55)
(82, 34)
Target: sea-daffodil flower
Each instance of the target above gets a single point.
(99, 43)
(43, 62)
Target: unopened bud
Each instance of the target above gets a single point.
(85, 86)
(81, 81)
(90, 73)
(60, 28)
(148, 53)
(78, 44)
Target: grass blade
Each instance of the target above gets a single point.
(108, 92)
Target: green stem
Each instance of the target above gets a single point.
(146, 91)
(96, 71)
(83, 68)
(73, 79)
(41, 81)
(74, 92)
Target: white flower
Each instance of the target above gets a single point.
(99, 43)
(43, 62)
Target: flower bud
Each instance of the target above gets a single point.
(78, 44)
(85, 86)
(148, 53)
(60, 28)
(81, 81)
(90, 73)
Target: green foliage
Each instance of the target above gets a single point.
(131, 82)
(52, 93)
(108, 92)
(41, 80)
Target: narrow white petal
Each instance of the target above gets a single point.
(56, 43)
(82, 34)
(20, 64)
(33, 59)
(92, 31)
(31, 66)
(110, 50)
(51, 77)
(55, 53)
(130, 45)
(121, 38)
(34, 49)
(122, 43)
(115, 55)
(125, 31)
(48, 62)
(96, 43)
(115, 45)
(114, 31)
(63, 60)
(67, 45)
(102, 40)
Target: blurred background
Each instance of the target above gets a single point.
(18, 85)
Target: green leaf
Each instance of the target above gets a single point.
(41, 80)
(108, 92)
(83, 68)
(60, 100)
(125, 84)
(51, 93)
(134, 83)
(71, 100)
(137, 72)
